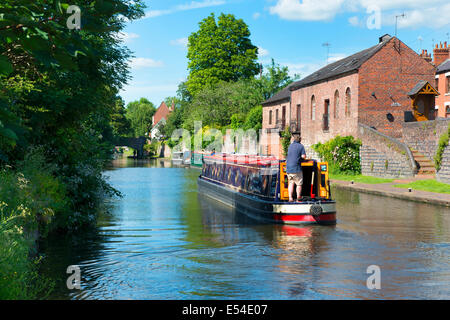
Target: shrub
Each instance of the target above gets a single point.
(341, 153)
(443, 143)
(286, 140)
(152, 148)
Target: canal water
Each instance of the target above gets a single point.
(163, 240)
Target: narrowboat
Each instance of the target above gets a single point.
(197, 159)
(258, 187)
(181, 158)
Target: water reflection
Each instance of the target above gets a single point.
(163, 240)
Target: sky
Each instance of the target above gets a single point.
(292, 32)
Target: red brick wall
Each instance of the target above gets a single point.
(273, 108)
(311, 130)
(390, 74)
(444, 98)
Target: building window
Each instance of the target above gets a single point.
(313, 108)
(436, 84)
(447, 111)
(348, 102)
(448, 84)
(270, 117)
(283, 117)
(276, 116)
(336, 105)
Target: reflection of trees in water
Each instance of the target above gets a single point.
(62, 251)
(139, 163)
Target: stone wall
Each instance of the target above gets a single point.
(443, 175)
(424, 136)
(383, 156)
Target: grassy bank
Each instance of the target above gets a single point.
(429, 185)
(359, 178)
(31, 198)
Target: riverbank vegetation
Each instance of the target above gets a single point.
(227, 92)
(59, 111)
(430, 185)
(342, 154)
(359, 178)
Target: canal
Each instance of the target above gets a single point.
(163, 240)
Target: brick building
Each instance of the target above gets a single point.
(159, 118)
(442, 84)
(369, 87)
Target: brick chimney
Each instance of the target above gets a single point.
(426, 56)
(441, 53)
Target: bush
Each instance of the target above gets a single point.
(30, 198)
(443, 143)
(152, 148)
(286, 140)
(342, 154)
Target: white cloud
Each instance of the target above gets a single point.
(183, 42)
(262, 52)
(435, 17)
(184, 7)
(256, 15)
(308, 10)
(419, 13)
(126, 37)
(302, 69)
(140, 63)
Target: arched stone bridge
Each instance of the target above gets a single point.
(135, 143)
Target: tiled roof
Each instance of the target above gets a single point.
(417, 88)
(343, 66)
(443, 67)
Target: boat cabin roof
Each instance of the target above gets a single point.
(255, 160)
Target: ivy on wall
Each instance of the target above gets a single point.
(443, 143)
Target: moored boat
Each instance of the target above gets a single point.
(258, 187)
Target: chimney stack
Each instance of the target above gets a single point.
(441, 53)
(426, 56)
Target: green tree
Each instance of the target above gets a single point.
(121, 126)
(274, 79)
(220, 51)
(140, 114)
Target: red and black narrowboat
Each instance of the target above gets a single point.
(258, 187)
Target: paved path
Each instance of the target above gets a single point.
(388, 189)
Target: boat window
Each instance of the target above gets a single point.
(273, 185)
(255, 180)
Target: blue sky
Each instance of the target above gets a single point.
(290, 31)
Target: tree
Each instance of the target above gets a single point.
(220, 51)
(58, 90)
(214, 105)
(140, 114)
(121, 126)
(274, 79)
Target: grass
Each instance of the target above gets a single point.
(359, 178)
(429, 185)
